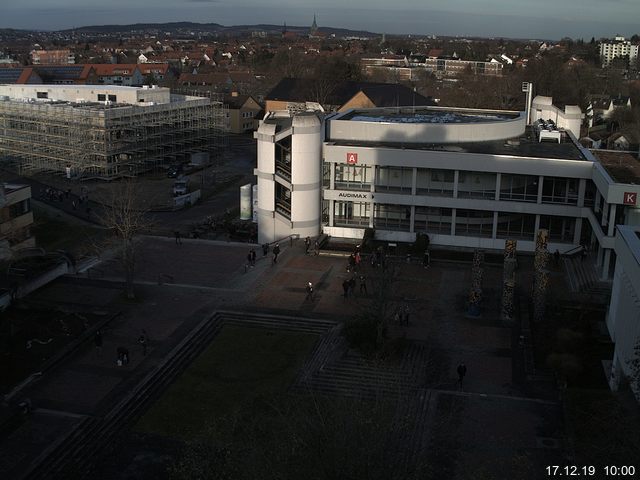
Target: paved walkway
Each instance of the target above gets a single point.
(200, 277)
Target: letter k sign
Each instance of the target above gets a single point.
(630, 198)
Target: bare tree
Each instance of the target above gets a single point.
(125, 214)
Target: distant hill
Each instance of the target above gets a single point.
(180, 27)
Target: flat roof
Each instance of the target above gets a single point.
(622, 167)
(427, 115)
(526, 145)
(69, 86)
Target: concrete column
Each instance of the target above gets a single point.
(413, 219)
(453, 221)
(332, 180)
(596, 201)
(605, 265)
(577, 231)
(494, 231)
(498, 180)
(331, 207)
(612, 219)
(414, 181)
(605, 214)
(540, 185)
(456, 177)
(582, 187)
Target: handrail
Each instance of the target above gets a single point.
(573, 251)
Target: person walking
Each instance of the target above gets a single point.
(316, 248)
(248, 260)
(276, 252)
(426, 259)
(178, 239)
(253, 257)
(307, 244)
(309, 292)
(462, 371)
(97, 340)
(363, 285)
(265, 249)
(142, 340)
(345, 288)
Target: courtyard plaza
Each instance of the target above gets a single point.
(179, 286)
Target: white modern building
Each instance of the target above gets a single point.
(623, 318)
(618, 47)
(467, 178)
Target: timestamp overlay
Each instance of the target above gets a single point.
(604, 471)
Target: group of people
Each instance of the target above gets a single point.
(307, 245)
(54, 195)
(251, 258)
(122, 353)
(401, 317)
(349, 286)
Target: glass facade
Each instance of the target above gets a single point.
(474, 223)
(351, 214)
(353, 177)
(516, 225)
(433, 220)
(561, 229)
(519, 188)
(394, 179)
(560, 190)
(392, 217)
(477, 185)
(435, 182)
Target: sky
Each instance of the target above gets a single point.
(548, 19)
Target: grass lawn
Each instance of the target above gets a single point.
(57, 234)
(240, 366)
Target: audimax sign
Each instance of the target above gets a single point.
(354, 196)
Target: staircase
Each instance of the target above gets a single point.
(583, 279)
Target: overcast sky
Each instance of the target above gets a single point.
(489, 18)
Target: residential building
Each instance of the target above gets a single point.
(104, 132)
(601, 107)
(52, 57)
(467, 178)
(243, 112)
(16, 219)
(619, 47)
(294, 93)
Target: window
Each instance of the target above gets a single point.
(102, 97)
(433, 220)
(112, 98)
(42, 94)
(392, 217)
(516, 225)
(519, 188)
(353, 177)
(560, 229)
(560, 190)
(476, 185)
(474, 223)
(347, 214)
(435, 182)
(394, 179)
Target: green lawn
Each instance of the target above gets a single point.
(240, 366)
(53, 233)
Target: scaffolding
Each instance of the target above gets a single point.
(102, 141)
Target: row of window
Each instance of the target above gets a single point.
(472, 223)
(520, 188)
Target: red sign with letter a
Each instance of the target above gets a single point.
(352, 158)
(630, 198)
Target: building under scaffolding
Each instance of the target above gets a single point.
(105, 132)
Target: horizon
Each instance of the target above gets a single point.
(459, 18)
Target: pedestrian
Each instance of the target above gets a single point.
(68, 192)
(345, 288)
(396, 317)
(142, 340)
(307, 244)
(309, 292)
(556, 257)
(123, 356)
(426, 259)
(265, 249)
(253, 257)
(462, 371)
(178, 238)
(249, 259)
(97, 339)
(406, 314)
(316, 248)
(352, 285)
(276, 252)
(73, 204)
(358, 259)
(363, 284)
